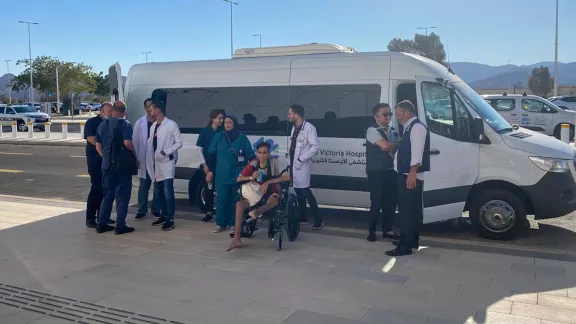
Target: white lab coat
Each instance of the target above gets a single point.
(306, 147)
(169, 140)
(140, 140)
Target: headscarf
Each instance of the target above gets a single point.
(234, 133)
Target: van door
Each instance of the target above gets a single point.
(537, 116)
(116, 84)
(454, 159)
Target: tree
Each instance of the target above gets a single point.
(428, 46)
(540, 82)
(102, 86)
(73, 77)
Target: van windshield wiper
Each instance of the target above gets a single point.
(506, 130)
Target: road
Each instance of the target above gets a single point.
(60, 173)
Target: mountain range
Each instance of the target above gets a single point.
(477, 75)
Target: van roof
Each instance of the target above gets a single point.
(305, 49)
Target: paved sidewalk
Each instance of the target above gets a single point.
(54, 270)
(55, 139)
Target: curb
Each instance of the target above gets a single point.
(45, 142)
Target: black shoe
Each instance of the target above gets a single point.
(304, 221)
(159, 221)
(157, 215)
(399, 251)
(371, 237)
(414, 246)
(104, 228)
(139, 217)
(390, 236)
(111, 222)
(207, 218)
(91, 223)
(123, 230)
(318, 227)
(168, 225)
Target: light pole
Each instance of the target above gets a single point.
(146, 53)
(259, 36)
(426, 28)
(556, 55)
(30, 57)
(232, 4)
(10, 87)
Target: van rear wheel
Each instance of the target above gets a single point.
(497, 214)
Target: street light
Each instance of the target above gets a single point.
(426, 28)
(260, 36)
(9, 88)
(556, 55)
(232, 4)
(30, 57)
(146, 53)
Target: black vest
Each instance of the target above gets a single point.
(404, 153)
(376, 159)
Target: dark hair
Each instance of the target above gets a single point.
(119, 106)
(214, 113)
(263, 144)
(147, 99)
(160, 106)
(407, 105)
(298, 109)
(379, 106)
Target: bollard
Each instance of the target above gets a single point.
(47, 129)
(64, 130)
(14, 130)
(30, 130)
(1, 130)
(565, 133)
(82, 129)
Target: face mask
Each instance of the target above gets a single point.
(105, 116)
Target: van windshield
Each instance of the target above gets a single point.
(489, 114)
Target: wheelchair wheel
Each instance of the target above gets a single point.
(293, 219)
(279, 241)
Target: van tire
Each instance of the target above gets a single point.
(195, 195)
(21, 126)
(557, 132)
(509, 219)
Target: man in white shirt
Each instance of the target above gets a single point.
(163, 146)
(412, 160)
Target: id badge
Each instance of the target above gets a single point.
(241, 159)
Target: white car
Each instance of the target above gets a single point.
(565, 102)
(23, 115)
(532, 112)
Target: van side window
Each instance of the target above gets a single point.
(502, 104)
(446, 115)
(537, 106)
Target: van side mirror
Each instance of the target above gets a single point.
(478, 128)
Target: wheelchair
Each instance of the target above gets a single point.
(284, 218)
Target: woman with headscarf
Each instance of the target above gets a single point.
(204, 140)
(229, 152)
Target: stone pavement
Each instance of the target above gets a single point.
(54, 270)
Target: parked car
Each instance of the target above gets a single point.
(565, 102)
(22, 115)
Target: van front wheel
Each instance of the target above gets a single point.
(557, 132)
(497, 214)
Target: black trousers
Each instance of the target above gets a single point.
(383, 199)
(410, 211)
(96, 194)
(305, 194)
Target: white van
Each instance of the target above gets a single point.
(479, 162)
(532, 112)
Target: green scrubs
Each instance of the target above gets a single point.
(228, 169)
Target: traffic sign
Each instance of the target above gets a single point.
(49, 93)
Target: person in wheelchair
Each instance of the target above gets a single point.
(260, 191)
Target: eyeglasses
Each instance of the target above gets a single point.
(387, 114)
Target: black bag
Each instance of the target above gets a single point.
(122, 160)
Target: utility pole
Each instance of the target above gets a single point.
(30, 58)
(259, 36)
(10, 87)
(556, 55)
(426, 28)
(232, 4)
(57, 91)
(146, 53)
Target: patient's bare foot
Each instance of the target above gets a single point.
(236, 243)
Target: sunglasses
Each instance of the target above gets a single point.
(387, 114)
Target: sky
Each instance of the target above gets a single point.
(100, 33)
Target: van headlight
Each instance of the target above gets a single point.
(549, 164)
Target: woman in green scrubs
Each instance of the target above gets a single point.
(230, 151)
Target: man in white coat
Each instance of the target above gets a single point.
(140, 140)
(303, 146)
(163, 145)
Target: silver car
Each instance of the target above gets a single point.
(22, 115)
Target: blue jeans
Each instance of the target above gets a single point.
(143, 190)
(164, 197)
(116, 186)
